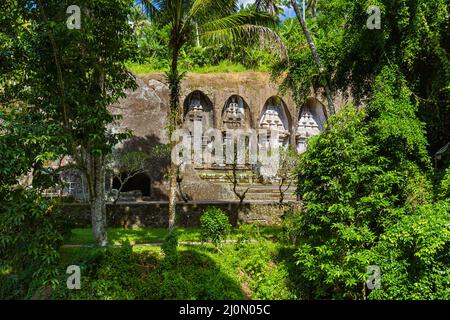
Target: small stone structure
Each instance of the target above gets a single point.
(154, 214)
(248, 100)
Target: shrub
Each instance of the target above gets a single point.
(170, 249)
(31, 233)
(414, 256)
(106, 273)
(247, 232)
(267, 277)
(291, 226)
(360, 177)
(214, 225)
(174, 287)
(444, 190)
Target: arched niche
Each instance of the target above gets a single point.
(198, 107)
(139, 182)
(311, 122)
(236, 113)
(275, 116)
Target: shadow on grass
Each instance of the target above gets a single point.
(115, 235)
(296, 282)
(120, 273)
(197, 276)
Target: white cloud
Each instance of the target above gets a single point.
(246, 2)
(287, 12)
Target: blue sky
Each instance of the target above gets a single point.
(287, 12)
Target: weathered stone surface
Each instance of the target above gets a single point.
(144, 112)
(154, 214)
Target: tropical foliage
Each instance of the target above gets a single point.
(214, 225)
(367, 181)
(373, 192)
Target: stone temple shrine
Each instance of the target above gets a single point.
(224, 102)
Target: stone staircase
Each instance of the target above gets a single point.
(261, 192)
(257, 191)
(219, 174)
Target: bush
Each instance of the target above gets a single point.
(170, 249)
(214, 225)
(174, 287)
(357, 180)
(414, 256)
(31, 233)
(245, 233)
(106, 273)
(291, 226)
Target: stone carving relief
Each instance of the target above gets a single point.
(306, 128)
(234, 113)
(274, 119)
(198, 108)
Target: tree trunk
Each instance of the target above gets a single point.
(197, 35)
(172, 195)
(312, 46)
(174, 85)
(96, 184)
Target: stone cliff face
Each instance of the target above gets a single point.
(144, 112)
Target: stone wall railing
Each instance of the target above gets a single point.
(154, 214)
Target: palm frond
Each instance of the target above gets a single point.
(201, 9)
(150, 8)
(245, 26)
(269, 6)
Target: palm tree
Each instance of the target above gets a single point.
(213, 20)
(312, 46)
(274, 5)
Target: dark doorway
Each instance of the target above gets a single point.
(139, 182)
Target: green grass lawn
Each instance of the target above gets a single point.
(260, 269)
(222, 67)
(137, 236)
(252, 270)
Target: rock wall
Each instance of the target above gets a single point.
(144, 112)
(154, 214)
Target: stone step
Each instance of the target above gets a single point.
(273, 196)
(259, 189)
(223, 168)
(222, 178)
(266, 192)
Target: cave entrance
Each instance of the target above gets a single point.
(139, 182)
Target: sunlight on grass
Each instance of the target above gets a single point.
(5, 271)
(144, 68)
(136, 236)
(223, 67)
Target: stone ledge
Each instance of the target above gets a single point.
(154, 214)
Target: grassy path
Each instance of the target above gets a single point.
(146, 244)
(155, 236)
